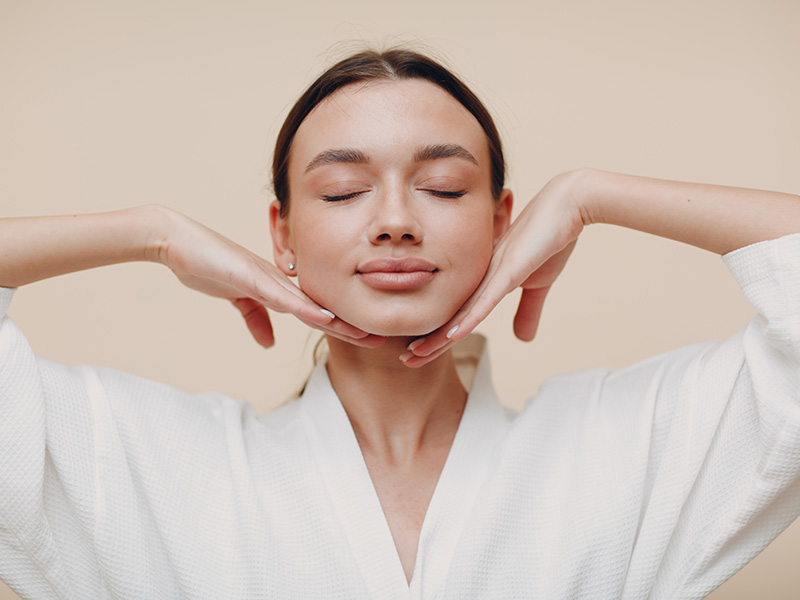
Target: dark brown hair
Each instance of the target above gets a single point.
(372, 65)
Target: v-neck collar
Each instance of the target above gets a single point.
(342, 466)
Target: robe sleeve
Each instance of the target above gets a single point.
(723, 474)
(36, 476)
(97, 470)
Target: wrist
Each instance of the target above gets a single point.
(586, 191)
(155, 226)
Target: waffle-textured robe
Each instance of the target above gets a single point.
(660, 480)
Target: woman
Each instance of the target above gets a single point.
(386, 479)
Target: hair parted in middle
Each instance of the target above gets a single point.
(372, 65)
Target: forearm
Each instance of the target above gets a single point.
(712, 217)
(36, 248)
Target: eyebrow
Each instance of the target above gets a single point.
(339, 155)
(444, 151)
(353, 156)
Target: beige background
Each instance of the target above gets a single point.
(109, 105)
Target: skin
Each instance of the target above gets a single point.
(535, 249)
(404, 412)
(392, 204)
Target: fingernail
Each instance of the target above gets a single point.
(406, 355)
(327, 313)
(450, 333)
(416, 344)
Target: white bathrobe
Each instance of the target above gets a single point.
(656, 481)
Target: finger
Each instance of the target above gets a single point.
(365, 340)
(414, 361)
(526, 321)
(257, 320)
(432, 342)
(475, 309)
(274, 290)
(502, 283)
(282, 299)
(427, 345)
(288, 298)
(345, 329)
(371, 341)
(496, 289)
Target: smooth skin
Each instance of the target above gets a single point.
(537, 246)
(404, 418)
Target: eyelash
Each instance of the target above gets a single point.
(443, 194)
(342, 197)
(437, 193)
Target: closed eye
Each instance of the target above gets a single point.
(445, 194)
(437, 193)
(349, 196)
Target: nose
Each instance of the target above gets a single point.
(395, 221)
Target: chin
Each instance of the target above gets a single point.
(398, 328)
(402, 323)
(384, 315)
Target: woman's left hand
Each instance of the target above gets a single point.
(535, 248)
(531, 255)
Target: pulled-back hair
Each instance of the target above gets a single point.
(371, 65)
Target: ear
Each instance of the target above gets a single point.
(281, 246)
(502, 213)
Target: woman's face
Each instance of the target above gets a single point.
(392, 223)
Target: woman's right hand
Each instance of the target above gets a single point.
(35, 248)
(208, 262)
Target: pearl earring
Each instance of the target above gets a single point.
(291, 266)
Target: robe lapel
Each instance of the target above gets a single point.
(483, 427)
(347, 479)
(342, 466)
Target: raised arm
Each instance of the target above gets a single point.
(36, 248)
(536, 247)
(713, 217)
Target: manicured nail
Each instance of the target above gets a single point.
(406, 355)
(416, 344)
(327, 313)
(450, 333)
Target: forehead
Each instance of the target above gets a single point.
(384, 118)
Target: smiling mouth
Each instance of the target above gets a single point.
(397, 274)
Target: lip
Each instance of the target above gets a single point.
(396, 273)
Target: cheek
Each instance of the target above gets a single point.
(471, 241)
(467, 275)
(322, 257)
(328, 255)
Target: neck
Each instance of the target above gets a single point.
(396, 412)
